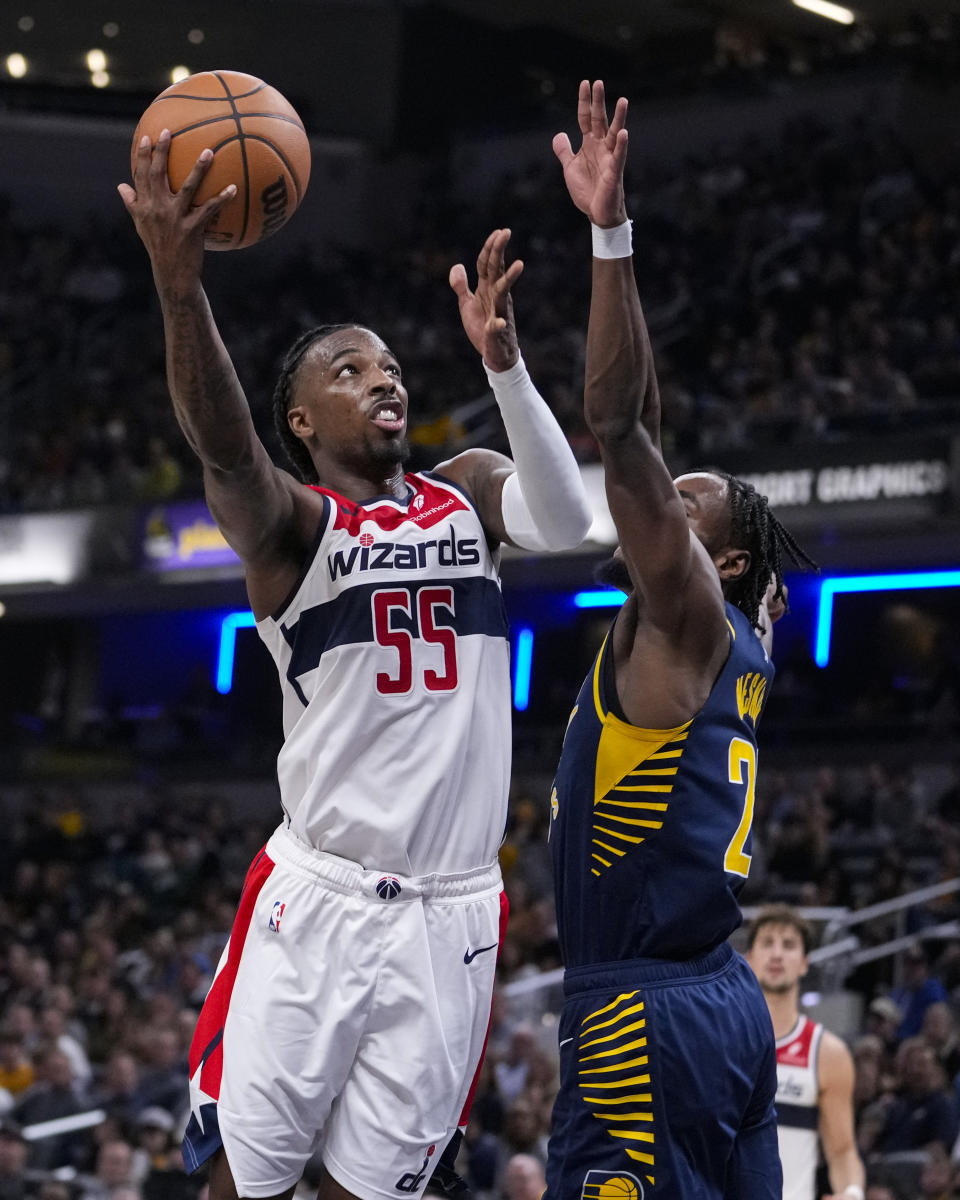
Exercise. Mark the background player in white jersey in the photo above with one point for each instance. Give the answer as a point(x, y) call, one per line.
point(350, 1006)
point(814, 1067)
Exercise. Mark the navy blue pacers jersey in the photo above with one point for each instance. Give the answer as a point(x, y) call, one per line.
point(651, 828)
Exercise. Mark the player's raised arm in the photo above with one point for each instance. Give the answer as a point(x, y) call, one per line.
point(621, 397)
point(249, 497)
point(537, 501)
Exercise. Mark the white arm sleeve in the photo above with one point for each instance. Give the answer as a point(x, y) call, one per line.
point(544, 503)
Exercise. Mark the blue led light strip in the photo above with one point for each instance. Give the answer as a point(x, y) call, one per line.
point(522, 669)
point(607, 598)
point(868, 583)
point(228, 647)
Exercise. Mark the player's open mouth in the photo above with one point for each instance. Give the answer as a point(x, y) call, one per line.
point(388, 417)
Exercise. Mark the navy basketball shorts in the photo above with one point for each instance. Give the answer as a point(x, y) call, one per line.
point(347, 1018)
point(667, 1082)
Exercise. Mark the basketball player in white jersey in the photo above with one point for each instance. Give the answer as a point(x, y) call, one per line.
point(349, 1009)
point(814, 1067)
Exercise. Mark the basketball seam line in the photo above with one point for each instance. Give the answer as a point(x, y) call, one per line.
point(257, 137)
point(243, 158)
point(230, 117)
point(213, 99)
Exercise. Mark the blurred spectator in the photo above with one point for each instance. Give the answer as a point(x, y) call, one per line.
point(54, 1094)
point(113, 1177)
point(920, 989)
point(938, 1177)
point(13, 1161)
point(53, 1028)
point(940, 1030)
point(524, 1178)
point(16, 1069)
point(154, 1142)
point(164, 1083)
point(919, 1114)
point(524, 1129)
point(884, 1018)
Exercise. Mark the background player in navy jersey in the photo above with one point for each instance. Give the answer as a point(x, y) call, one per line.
point(814, 1067)
point(350, 1006)
point(666, 1050)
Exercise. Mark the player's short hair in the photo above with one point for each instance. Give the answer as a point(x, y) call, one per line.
point(754, 527)
point(294, 448)
point(780, 914)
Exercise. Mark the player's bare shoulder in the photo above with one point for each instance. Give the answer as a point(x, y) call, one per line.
point(834, 1064)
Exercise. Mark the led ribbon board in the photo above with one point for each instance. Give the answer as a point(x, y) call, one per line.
point(868, 583)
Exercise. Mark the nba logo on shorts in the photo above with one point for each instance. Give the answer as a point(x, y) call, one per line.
point(275, 916)
point(388, 888)
point(611, 1185)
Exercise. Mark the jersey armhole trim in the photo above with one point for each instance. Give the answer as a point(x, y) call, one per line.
point(277, 615)
point(444, 481)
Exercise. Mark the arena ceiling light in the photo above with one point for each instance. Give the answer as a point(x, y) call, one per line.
point(823, 8)
point(16, 65)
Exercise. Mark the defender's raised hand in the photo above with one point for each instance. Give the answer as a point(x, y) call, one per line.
point(487, 313)
point(169, 225)
point(594, 175)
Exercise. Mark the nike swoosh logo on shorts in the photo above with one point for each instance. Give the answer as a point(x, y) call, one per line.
point(472, 954)
point(564, 1042)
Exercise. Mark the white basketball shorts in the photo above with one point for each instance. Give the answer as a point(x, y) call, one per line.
point(348, 1015)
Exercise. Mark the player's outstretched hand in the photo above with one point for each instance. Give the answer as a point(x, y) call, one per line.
point(594, 175)
point(487, 313)
point(169, 225)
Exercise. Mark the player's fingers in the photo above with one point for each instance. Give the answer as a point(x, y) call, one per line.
point(509, 277)
point(141, 162)
point(483, 258)
point(562, 149)
point(207, 211)
point(583, 107)
point(161, 156)
point(620, 149)
point(498, 252)
point(458, 281)
point(193, 180)
point(619, 117)
point(127, 195)
point(598, 110)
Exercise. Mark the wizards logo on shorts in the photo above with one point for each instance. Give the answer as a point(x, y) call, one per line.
point(275, 916)
point(611, 1185)
point(388, 888)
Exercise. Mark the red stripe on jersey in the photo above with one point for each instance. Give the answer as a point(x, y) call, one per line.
point(465, 1115)
point(213, 1015)
point(794, 1050)
point(428, 505)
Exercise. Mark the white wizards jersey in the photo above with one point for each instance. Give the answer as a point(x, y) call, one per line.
point(394, 663)
point(798, 1111)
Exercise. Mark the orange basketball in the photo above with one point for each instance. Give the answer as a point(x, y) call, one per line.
point(258, 143)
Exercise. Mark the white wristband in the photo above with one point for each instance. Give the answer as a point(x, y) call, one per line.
point(612, 243)
point(853, 1191)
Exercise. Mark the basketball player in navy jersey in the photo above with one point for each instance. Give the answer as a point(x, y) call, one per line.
point(350, 1007)
point(814, 1067)
point(667, 1059)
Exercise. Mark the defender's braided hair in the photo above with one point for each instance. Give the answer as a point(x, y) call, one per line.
point(754, 527)
point(295, 450)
